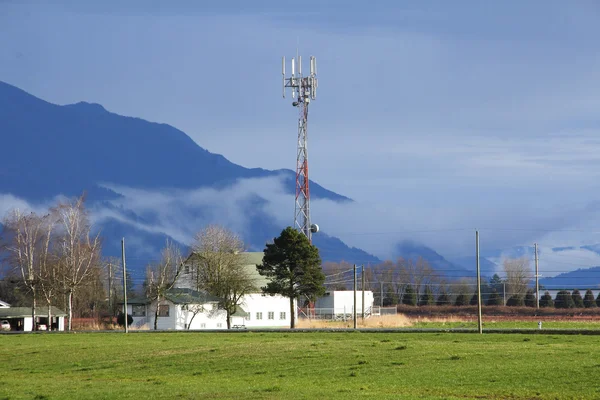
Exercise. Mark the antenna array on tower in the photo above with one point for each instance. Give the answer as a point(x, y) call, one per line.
point(304, 89)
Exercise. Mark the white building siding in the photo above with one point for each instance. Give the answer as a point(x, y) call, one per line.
point(262, 308)
point(342, 301)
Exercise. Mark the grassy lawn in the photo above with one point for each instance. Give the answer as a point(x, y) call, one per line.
point(298, 366)
point(509, 324)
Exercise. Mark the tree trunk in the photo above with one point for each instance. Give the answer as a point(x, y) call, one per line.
point(228, 319)
point(155, 316)
point(33, 324)
point(49, 326)
point(292, 314)
point(70, 307)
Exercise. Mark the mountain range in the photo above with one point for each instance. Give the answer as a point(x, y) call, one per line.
point(142, 181)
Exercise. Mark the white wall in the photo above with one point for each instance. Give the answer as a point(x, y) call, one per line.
point(257, 303)
point(27, 324)
point(343, 301)
point(209, 319)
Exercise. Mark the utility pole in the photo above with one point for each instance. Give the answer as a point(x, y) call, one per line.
point(537, 274)
point(124, 285)
point(504, 293)
point(354, 308)
point(110, 278)
point(479, 322)
point(381, 294)
point(362, 286)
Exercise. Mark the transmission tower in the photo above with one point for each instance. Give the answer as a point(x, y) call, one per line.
point(304, 89)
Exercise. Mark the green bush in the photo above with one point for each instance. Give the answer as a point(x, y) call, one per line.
point(546, 300)
point(427, 298)
point(410, 297)
point(515, 301)
point(530, 300)
point(473, 301)
point(121, 319)
point(461, 300)
point(495, 299)
point(588, 299)
point(577, 299)
point(564, 300)
point(443, 299)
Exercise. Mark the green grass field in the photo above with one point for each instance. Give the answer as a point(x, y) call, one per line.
point(594, 325)
point(299, 366)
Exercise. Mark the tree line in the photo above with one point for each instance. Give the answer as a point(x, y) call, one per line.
point(417, 283)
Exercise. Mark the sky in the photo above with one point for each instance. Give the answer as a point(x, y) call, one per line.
point(434, 116)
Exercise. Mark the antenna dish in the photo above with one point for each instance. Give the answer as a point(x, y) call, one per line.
point(314, 228)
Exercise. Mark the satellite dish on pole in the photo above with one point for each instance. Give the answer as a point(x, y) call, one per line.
point(314, 228)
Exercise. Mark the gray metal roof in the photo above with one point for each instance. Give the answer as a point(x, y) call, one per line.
point(22, 312)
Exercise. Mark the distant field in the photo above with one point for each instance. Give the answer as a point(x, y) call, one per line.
point(298, 366)
point(451, 322)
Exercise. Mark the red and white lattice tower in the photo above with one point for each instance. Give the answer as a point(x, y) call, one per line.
point(304, 89)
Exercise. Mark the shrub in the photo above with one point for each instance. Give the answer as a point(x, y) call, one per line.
point(410, 297)
point(473, 301)
point(546, 300)
point(495, 299)
point(461, 300)
point(530, 300)
point(564, 300)
point(588, 299)
point(426, 298)
point(443, 299)
point(121, 319)
point(577, 299)
point(515, 301)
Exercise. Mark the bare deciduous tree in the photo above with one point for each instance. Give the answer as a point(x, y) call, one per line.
point(22, 233)
point(221, 269)
point(518, 274)
point(47, 272)
point(76, 250)
point(162, 276)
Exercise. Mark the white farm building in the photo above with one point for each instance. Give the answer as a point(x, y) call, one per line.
point(186, 308)
point(339, 304)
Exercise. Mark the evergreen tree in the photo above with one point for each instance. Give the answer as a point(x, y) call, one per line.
point(427, 298)
point(410, 297)
point(496, 282)
point(577, 299)
point(461, 300)
point(292, 266)
point(564, 300)
point(494, 299)
point(443, 299)
point(473, 301)
point(598, 300)
point(546, 300)
point(515, 301)
point(530, 300)
point(588, 299)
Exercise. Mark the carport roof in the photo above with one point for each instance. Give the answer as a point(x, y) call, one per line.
point(23, 312)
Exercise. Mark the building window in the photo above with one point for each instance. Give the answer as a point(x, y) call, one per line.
point(282, 315)
point(215, 306)
point(138, 310)
point(203, 325)
point(271, 315)
point(258, 315)
point(219, 325)
point(247, 316)
point(163, 310)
